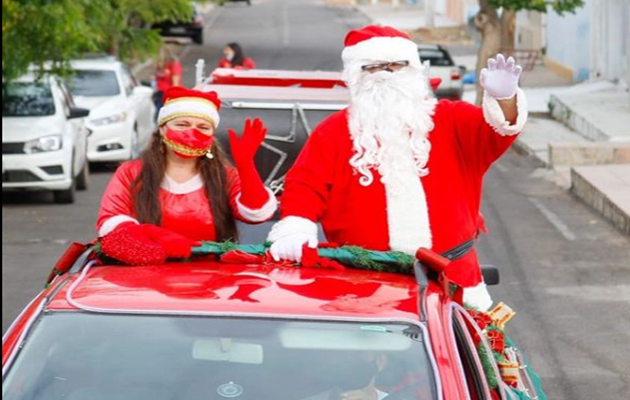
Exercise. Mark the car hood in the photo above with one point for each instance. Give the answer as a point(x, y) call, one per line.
point(23, 129)
point(100, 106)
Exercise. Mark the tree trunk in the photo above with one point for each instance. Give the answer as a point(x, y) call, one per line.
point(489, 25)
point(508, 31)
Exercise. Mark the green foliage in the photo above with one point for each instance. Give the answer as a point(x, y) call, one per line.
point(35, 32)
point(559, 6)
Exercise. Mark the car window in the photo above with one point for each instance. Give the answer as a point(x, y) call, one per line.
point(94, 83)
point(76, 356)
point(27, 99)
point(471, 362)
point(437, 58)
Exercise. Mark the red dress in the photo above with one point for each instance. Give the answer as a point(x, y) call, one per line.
point(323, 187)
point(248, 63)
point(185, 207)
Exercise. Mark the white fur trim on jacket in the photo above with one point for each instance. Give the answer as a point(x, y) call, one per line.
point(493, 114)
point(263, 214)
point(290, 226)
point(478, 297)
point(407, 214)
point(112, 223)
point(195, 183)
point(382, 49)
point(190, 108)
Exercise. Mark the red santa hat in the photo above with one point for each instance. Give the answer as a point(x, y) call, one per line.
point(379, 43)
point(182, 102)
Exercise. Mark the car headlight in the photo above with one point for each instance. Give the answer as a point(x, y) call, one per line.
point(112, 119)
point(44, 144)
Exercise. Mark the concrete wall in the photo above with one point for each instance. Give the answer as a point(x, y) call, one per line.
point(568, 42)
point(609, 40)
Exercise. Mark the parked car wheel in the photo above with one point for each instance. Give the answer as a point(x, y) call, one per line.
point(198, 37)
point(83, 180)
point(66, 196)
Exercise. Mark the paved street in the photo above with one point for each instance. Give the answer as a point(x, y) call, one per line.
point(565, 270)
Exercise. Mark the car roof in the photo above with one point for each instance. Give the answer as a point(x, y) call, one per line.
point(104, 63)
point(210, 287)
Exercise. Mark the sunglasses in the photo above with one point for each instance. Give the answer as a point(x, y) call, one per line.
point(385, 66)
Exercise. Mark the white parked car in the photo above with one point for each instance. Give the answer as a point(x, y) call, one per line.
point(44, 138)
point(442, 66)
point(122, 112)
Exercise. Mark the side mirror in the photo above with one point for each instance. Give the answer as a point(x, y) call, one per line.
point(148, 84)
point(490, 275)
point(142, 91)
point(76, 112)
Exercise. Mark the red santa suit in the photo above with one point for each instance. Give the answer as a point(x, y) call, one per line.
point(185, 206)
point(439, 210)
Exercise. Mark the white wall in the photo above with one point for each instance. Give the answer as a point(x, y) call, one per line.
point(568, 40)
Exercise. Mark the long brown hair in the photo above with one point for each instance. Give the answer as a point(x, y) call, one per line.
point(146, 187)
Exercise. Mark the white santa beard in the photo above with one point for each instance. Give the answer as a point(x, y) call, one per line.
point(389, 121)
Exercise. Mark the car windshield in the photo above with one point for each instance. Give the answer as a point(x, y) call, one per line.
point(437, 58)
point(27, 99)
point(77, 356)
point(94, 83)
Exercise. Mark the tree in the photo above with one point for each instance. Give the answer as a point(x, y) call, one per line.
point(498, 30)
point(50, 33)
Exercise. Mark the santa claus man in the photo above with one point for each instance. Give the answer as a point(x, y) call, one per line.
point(398, 170)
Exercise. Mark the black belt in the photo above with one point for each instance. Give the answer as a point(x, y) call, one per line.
point(459, 251)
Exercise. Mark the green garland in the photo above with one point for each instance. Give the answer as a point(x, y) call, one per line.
point(351, 256)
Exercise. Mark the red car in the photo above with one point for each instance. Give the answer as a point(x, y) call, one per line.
point(213, 330)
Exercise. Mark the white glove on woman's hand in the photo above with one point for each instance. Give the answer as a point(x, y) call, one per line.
point(289, 236)
point(501, 77)
point(290, 247)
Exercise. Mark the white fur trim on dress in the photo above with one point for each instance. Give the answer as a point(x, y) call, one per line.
point(289, 226)
point(263, 214)
point(113, 223)
point(478, 297)
point(195, 183)
point(493, 114)
point(382, 49)
point(189, 108)
point(407, 214)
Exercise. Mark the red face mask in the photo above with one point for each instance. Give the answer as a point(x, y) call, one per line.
point(190, 143)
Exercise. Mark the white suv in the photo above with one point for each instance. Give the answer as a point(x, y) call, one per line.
point(122, 116)
point(44, 139)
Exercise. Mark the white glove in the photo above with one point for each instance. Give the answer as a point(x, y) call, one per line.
point(501, 77)
point(289, 236)
point(290, 248)
point(478, 297)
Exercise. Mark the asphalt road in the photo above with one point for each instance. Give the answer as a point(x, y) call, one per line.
point(564, 269)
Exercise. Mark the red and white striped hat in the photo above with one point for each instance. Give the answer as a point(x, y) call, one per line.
point(379, 43)
point(182, 102)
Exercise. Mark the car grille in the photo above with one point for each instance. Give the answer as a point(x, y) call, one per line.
point(12, 148)
point(19, 176)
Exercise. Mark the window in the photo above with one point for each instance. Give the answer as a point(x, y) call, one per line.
point(27, 99)
point(469, 357)
point(436, 57)
point(77, 356)
point(94, 83)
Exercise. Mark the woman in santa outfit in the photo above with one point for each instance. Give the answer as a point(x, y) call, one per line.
point(183, 190)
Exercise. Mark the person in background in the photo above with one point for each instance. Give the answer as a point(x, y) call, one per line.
point(235, 58)
point(169, 74)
